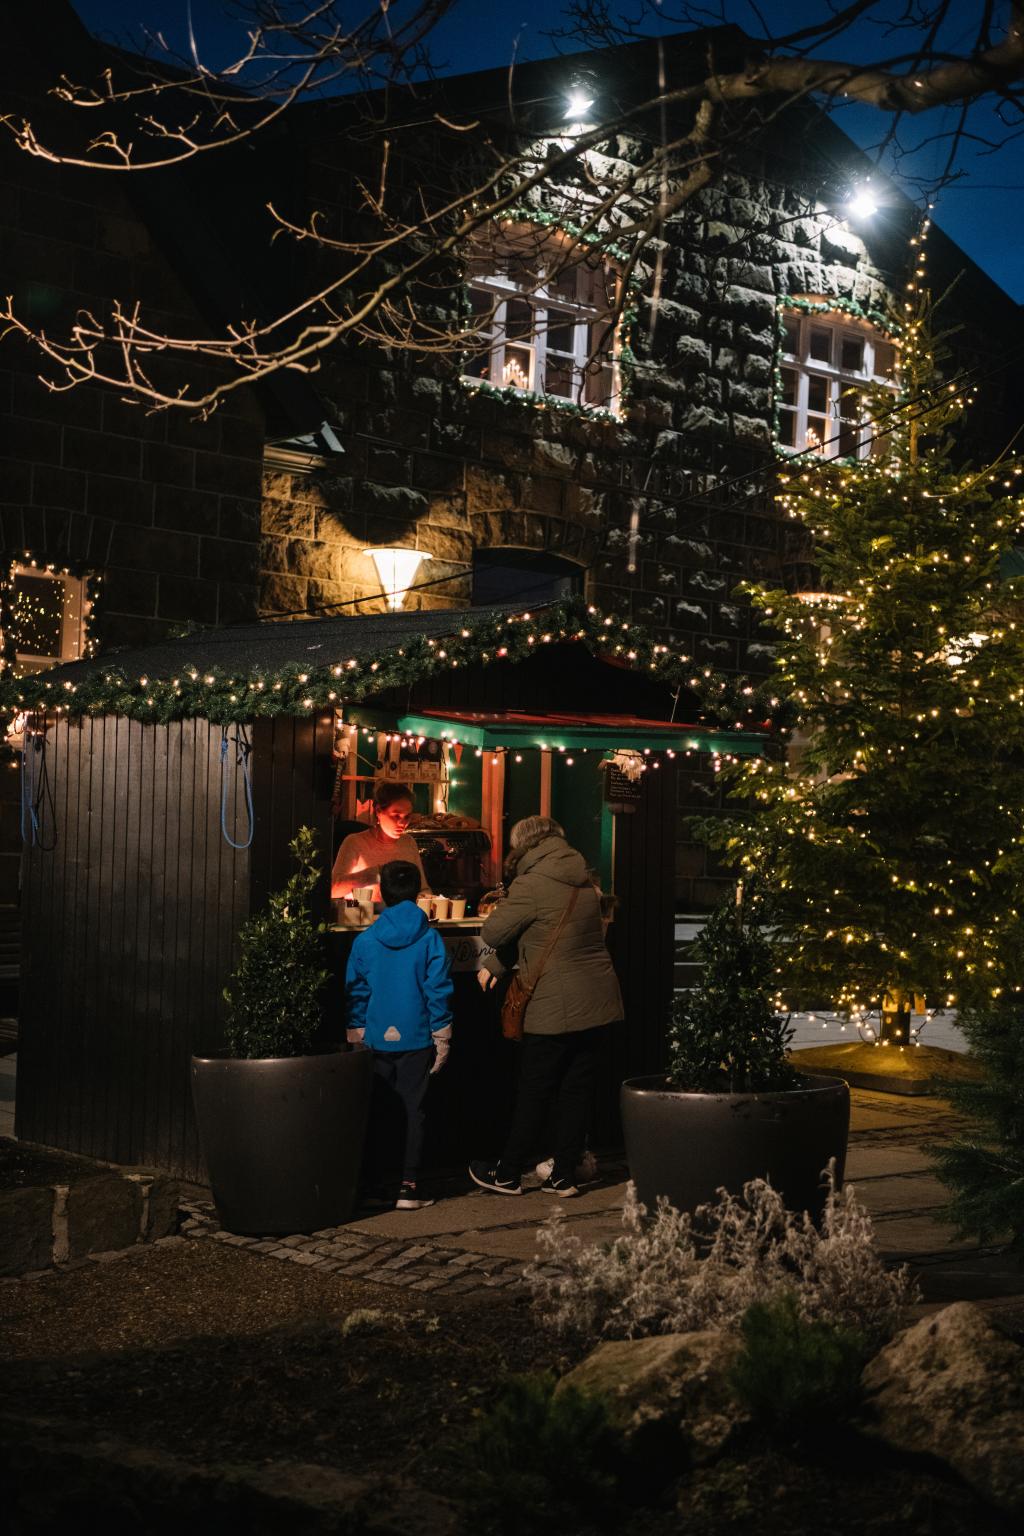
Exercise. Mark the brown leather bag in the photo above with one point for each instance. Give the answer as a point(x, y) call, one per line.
point(518, 995)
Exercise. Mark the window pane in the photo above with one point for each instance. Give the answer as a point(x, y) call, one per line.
point(817, 393)
point(849, 404)
point(519, 320)
point(816, 434)
point(885, 359)
point(518, 367)
point(558, 376)
point(852, 354)
point(849, 439)
point(791, 338)
point(477, 364)
point(598, 386)
point(821, 344)
point(561, 332)
point(37, 613)
point(787, 429)
point(789, 378)
point(569, 283)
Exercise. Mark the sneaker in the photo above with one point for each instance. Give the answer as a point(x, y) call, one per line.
point(375, 1200)
point(559, 1187)
point(586, 1168)
point(486, 1176)
point(409, 1200)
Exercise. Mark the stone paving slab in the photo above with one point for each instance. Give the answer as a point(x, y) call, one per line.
point(917, 1193)
point(869, 1160)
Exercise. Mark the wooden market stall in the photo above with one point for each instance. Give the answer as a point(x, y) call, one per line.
point(165, 785)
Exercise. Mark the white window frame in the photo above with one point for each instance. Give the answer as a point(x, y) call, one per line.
point(74, 612)
point(826, 424)
point(549, 309)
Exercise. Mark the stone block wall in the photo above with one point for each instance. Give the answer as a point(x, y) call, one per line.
point(165, 508)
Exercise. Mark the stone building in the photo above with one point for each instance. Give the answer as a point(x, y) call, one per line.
point(765, 308)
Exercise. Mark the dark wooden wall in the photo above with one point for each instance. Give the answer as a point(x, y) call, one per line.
point(642, 941)
point(132, 904)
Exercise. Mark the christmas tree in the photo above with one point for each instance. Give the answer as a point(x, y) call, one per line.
point(892, 831)
point(984, 1166)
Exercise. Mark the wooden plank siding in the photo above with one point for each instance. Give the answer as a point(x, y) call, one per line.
point(641, 941)
point(132, 903)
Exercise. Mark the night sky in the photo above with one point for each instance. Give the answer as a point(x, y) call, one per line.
point(979, 211)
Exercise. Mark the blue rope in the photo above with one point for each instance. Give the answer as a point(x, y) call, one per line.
point(29, 834)
point(241, 761)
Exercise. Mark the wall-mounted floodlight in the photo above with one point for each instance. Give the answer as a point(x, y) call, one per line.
point(861, 204)
point(396, 571)
point(577, 106)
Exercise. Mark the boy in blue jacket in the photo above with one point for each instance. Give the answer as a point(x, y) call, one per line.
point(399, 1006)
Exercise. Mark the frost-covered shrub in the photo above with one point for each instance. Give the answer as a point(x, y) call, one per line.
point(677, 1272)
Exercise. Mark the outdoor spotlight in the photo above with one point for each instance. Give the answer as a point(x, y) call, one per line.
point(396, 571)
point(861, 204)
point(578, 105)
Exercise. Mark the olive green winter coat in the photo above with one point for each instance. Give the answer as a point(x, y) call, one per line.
point(578, 988)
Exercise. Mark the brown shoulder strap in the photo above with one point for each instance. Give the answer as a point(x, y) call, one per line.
point(545, 957)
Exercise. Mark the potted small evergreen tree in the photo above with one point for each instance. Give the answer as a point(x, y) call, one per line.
point(731, 1107)
point(282, 1122)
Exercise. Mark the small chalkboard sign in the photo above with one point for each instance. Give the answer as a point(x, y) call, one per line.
point(620, 793)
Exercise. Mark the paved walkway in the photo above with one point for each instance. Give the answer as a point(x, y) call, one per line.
point(475, 1242)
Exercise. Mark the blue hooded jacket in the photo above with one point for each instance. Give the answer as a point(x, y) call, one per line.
point(397, 982)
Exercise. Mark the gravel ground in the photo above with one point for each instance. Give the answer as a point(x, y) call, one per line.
point(211, 1354)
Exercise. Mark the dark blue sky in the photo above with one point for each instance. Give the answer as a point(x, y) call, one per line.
point(979, 211)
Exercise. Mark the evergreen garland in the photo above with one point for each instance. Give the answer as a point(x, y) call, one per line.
point(274, 996)
point(232, 698)
point(984, 1166)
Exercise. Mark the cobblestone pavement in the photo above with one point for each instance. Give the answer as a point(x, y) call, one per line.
point(475, 1242)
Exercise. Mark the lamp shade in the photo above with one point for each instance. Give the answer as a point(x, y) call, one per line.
point(396, 571)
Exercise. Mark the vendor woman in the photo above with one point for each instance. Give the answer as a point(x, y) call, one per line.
point(362, 853)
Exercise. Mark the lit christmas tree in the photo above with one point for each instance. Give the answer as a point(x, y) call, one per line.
point(893, 834)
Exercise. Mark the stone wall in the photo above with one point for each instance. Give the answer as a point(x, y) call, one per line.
point(164, 507)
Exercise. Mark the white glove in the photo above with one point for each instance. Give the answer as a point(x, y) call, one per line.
point(442, 1047)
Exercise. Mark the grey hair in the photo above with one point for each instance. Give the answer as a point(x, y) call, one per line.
point(533, 830)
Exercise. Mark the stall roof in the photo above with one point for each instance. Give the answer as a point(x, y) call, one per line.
point(559, 731)
point(267, 669)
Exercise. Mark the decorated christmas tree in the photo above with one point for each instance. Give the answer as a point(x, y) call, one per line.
point(892, 830)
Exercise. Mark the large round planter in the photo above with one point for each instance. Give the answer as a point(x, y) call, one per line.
point(686, 1146)
point(283, 1138)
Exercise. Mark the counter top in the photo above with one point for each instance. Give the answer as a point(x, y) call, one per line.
point(445, 925)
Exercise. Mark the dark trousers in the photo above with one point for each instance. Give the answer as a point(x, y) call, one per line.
point(556, 1071)
point(395, 1139)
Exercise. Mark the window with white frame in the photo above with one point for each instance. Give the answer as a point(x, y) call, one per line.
point(46, 617)
point(544, 311)
point(830, 360)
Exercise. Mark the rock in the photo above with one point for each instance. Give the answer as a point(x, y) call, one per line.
point(103, 1215)
point(675, 1383)
point(953, 1387)
point(26, 1229)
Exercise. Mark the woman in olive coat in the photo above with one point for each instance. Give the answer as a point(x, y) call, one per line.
point(576, 996)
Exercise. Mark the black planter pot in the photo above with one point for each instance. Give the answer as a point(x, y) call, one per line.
point(686, 1146)
point(283, 1138)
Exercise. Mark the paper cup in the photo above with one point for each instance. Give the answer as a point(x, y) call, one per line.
point(442, 908)
point(426, 904)
point(458, 905)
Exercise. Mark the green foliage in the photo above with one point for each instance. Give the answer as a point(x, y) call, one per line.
point(539, 1462)
point(297, 688)
point(793, 1374)
point(725, 1033)
point(985, 1166)
point(892, 830)
point(274, 996)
